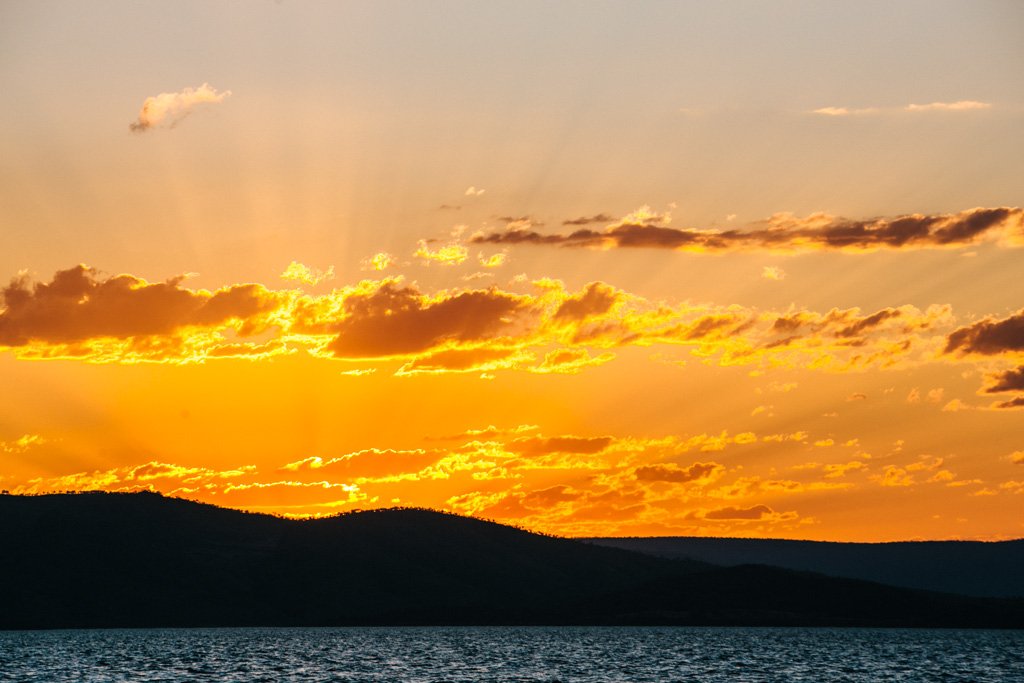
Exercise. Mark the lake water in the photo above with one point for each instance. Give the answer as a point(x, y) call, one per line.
point(736, 655)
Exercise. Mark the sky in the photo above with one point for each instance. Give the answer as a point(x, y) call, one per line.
point(743, 269)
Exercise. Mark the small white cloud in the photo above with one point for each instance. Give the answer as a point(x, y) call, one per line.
point(169, 108)
point(962, 105)
point(844, 111)
point(474, 192)
point(773, 273)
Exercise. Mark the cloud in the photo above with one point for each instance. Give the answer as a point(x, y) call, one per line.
point(773, 273)
point(449, 255)
point(392, 320)
point(22, 443)
point(474, 192)
point(482, 359)
point(962, 105)
point(596, 299)
point(837, 470)
point(756, 512)
point(989, 336)
point(167, 477)
point(844, 111)
point(700, 472)
point(379, 262)
point(367, 464)
point(490, 431)
point(168, 109)
point(1011, 380)
point(587, 220)
point(302, 273)
point(83, 315)
point(79, 305)
point(894, 476)
point(1017, 457)
point(570, 361)
point(536, 445)
point(1017, 402)
point(492, 261)
point(786, 233)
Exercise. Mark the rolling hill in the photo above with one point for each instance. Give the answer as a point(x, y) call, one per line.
point(144, 560)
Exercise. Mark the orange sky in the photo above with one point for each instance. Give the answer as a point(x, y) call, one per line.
point(320, 261)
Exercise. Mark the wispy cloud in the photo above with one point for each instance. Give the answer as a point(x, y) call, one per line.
point(843, 111)
point(958, 106)
point(962, 105)
point(785, 232)
point(168, 108)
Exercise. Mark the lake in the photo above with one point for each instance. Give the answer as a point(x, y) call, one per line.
point(457, 654)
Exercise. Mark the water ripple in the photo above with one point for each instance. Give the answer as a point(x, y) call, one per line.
point(513, 654)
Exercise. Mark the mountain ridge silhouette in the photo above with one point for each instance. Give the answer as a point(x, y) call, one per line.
point(144, 560)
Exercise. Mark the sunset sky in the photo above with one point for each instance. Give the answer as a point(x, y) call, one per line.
point(591, 268)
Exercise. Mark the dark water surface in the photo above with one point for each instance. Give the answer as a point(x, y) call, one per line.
point(438, 654)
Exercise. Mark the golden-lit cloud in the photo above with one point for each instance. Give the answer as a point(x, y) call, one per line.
point(1016, 402)
point(492, 261)
point(299, 272)
point(837, 470)
point(754, 513)
point(448, 255)
point(1010, 380)
point(773, 273)
point(379, 262)
point(535, 445)
point(368, 464)
point(480, 359)
point(787, 233)
point(552, 330)
point(569, 361)
point(152, 475)
point(698, 472)
point(83, 314)
point(564, 483)
point(989, 336)
point(169, 108)
point(393, 320)
point(997, 338)
point(21, 444)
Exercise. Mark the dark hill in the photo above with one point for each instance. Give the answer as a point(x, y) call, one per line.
point(94, 560)
point(966, 567)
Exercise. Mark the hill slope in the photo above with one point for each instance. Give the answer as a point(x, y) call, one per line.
point(95, 560)
point(965, 567)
